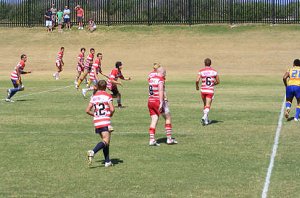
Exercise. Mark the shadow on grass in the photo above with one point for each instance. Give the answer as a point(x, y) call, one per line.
point(290, 119)
point(122, 107)
point(216, 121)
point(23, 100)
point(115, 161)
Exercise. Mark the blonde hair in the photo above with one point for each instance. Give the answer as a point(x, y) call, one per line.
point(156, 65)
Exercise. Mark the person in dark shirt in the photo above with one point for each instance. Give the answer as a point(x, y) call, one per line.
point(48, 17)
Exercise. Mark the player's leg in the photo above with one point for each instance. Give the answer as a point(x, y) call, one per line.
point(154, 114)
point(82, 77)
point(117, 95)
point(289, 95)
point(168, 124)
point(98, 146)
point(106, 138)
point(297, 95)
point(77, 76)
point(208, 102)
point(90, 88)
point(11, 92)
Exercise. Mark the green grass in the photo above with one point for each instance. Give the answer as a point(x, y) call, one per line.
point(44, 139)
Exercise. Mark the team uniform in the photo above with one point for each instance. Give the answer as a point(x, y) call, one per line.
point(15, 77)
point(80, 67)
point(208, 77)
point(114, 75)
point(59, 58)
point(293, 89)
point(89, 62)
point(96, 68)
point(102, 115)
point(100, 100)
point(153, 100)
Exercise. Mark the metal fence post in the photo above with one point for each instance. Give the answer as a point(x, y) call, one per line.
point(273, 12)
point(69, 4)
point(231, 12)
point(149, 23)
point(28, 13)
point(108, 12)
point(190, 11)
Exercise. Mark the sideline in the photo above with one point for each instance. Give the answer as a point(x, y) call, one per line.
point(274, 151)
point(46, 91)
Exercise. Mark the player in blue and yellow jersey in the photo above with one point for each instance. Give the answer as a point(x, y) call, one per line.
point(291, 80)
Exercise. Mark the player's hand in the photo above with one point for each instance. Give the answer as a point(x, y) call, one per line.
point(120, 84)
point(160, 107)
point(129, 78)
point(29, 72)
point(197, 88)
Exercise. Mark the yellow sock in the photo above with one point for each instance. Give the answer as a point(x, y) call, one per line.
point(79, 82)
point(89, 82)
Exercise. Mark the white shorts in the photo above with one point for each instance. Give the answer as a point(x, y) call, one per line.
point(48, 23)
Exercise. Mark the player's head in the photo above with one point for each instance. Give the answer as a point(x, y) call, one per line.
point(23, 57)
point(92, 51)
point(101, 85)
point(82, 50)
point(296, 62)
point(156, 66)
point(207, 62)
point(62, 49)
point(99, 55)
point(162, 71)
point(119, 65)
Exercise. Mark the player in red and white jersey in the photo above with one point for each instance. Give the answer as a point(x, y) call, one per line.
point(16, 79)
point(209, 78)
point(158, 104)
point(112, 82)
point(102, 105)
point(59, 63)
point(80, 64)
point(94, 78)
point(87, 67)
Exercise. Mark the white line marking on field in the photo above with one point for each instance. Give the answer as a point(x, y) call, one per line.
point(274, 151)
point(46, 91)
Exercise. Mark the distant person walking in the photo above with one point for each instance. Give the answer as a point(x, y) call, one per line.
point(48, 17)
point(67, 21)
point(80, 16)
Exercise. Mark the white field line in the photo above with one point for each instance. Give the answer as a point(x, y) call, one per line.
point(87, 132)
point(46, 91)
point(274, 151)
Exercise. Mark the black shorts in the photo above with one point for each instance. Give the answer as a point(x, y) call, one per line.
point(100, 130)
point(115, 91)
point(66, 20)
point(79, 19)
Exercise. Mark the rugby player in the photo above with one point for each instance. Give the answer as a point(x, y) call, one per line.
point(102, 104)
point(59, 63)
point(80, 64)
point(291, 80)
point(16, 78)
point(87, 67)
point(112, 82)
point(158, 104)
point(209, 78)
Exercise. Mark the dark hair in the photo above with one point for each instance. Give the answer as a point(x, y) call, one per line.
point(297, 62)
point(207, 62)
point(118, 64)
point(99, 54)
point(101, 85)
point(92, 49)
point(23, 55)
point(62, 48)
point(82, 49)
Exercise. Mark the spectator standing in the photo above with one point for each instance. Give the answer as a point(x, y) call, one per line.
point(48, 17)
point(67, 13)
point(80, 16)
point(54, 11)
point(59, 16)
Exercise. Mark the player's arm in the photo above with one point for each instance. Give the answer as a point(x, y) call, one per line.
point(115, 82)
point(161, 95)
point(111, 108)
point(88, 110)
point(217, 80)
point(123, 78)
point(25, 72)
point(197, 81)
point(285, 78)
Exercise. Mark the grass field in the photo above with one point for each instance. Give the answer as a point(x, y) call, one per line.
point(45, 134)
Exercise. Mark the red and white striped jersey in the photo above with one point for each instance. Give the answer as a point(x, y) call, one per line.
point(80, 59)
point(89, 60)
point(152, 74)
point(60, 56)
point(100, 101)
point(154, 83)
point(208, 76)
point(114, 75)
point(95, 69)
point(20, 67)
